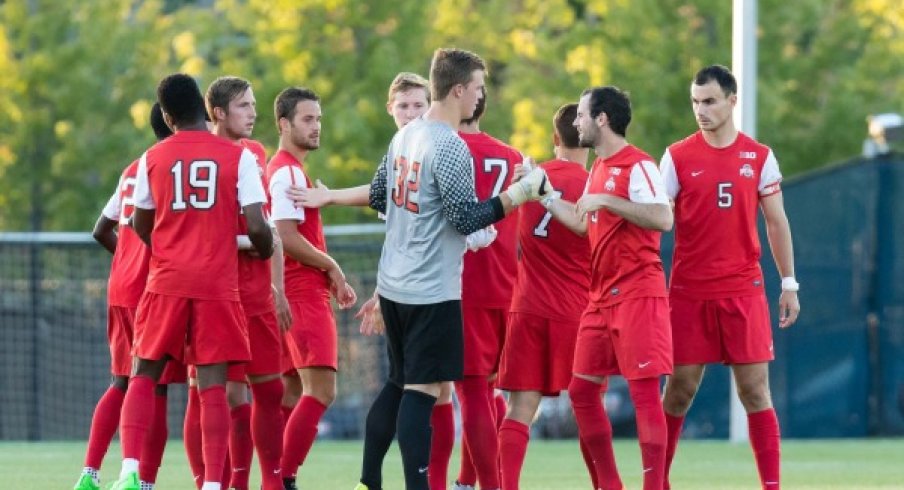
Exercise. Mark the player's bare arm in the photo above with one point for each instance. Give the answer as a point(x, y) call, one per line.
point(653, 216)
point(321, 195)
point(105, 233)
point(300, 249)
point(566, 213)
point(143, 224)
point(277, 278)
point(778, 231)
point(258, 230)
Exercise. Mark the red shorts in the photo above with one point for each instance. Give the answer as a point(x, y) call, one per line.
point(312, 340)
point(235, 372)
point(286, 364)
point(120, 323)
point(266, 344)
point(194, 331)
point(538, 354)
point(484, 334)
point(632, 338)
point(731, 330)
point(174, 373)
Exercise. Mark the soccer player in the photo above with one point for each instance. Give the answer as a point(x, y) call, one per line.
point(188, 194)
point(311, 276)
point(232, 108)
point(128, 275)
point(549, 296)
point(717, 178)
point(625, 327)
point(488, 278)
point(425, 187)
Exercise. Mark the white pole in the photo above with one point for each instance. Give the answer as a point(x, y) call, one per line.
point(743, 61)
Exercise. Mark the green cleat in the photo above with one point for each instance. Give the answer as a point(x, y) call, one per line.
point(86, 482)
point(361, 486)
point(127, 482)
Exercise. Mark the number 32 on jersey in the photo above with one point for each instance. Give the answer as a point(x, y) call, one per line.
point(407, 175)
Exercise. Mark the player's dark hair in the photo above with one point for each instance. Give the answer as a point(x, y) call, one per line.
point(221, 92)
point(479, 110)
point(564, 124)
point(615, 103)
point(161, 130)
point(451, 67)
point(287, 100)
point(180, 97)
point(721, 74)
point(406, 81)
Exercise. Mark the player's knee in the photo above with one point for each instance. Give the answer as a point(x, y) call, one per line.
point(235, 394)
point(121, 383)
point(325, 394)
point(679, 394)
point(582, 391)
point(755, 397)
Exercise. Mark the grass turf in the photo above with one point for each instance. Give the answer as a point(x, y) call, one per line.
point(702, 465)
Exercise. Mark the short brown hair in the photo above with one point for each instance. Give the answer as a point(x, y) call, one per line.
point(451, 67)
point(564, 124)
point(406, 81)
point(287, 100)
point(221, 92)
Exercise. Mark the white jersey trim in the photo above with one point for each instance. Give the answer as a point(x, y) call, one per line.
point(112, 209)
point(669, 175)
point(645, 186)
point(250, 186)
point(281, 207)
point(143, 197)
point(770, 176)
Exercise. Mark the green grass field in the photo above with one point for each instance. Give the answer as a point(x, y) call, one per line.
point(823, 465)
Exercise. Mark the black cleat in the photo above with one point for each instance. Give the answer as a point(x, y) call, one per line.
point(289, 484)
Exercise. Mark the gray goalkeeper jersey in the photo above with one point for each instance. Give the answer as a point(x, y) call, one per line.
point(425, 186)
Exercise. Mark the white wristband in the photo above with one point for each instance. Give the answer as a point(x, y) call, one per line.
point(547, 201)
point(790, 284)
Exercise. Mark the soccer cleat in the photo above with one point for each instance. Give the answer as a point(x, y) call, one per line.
point(289, 484)
point(361, 486)
point(459, 486)
point(86, 482)
point(129, 481)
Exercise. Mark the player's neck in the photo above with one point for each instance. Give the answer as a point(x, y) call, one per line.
point(200, 126)
point(721, 137)
point(469, 128)
point(444, 112)
point(298, 153)
point(223, 133)
point(576, 155)
point(610, 145)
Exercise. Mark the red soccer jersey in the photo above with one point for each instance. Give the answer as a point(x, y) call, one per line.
point(554, 263)
point(282, 171)
point(624, 257)
point(254, 274)
point(129, 268)
point(716, 193)
point(488, 275)
point(196, 182)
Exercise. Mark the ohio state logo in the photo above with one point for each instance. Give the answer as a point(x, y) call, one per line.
point(747, 171)
point(610, 184)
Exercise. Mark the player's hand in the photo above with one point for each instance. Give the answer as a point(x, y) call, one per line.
point(283, 311)
point(371, 317)
point(522, 169)
point(788, 309)
point(589, 203)
point(532, 187)
point(481, 238)
point(340, 288)
point(310, 197)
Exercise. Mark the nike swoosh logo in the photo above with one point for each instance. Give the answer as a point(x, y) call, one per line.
point(644, 364)
point(422, 470)
point(694, 174)
point(645, 470)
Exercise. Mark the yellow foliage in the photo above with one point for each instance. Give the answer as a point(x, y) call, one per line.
point(524, 43)
point(296, 68)
point(194, 66)
point(184, 45)
point(139, 111)
point(7, 157)
point(531, 135)
point(62, 128)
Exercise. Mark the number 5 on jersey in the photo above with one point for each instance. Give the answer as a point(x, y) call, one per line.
point(407, 176)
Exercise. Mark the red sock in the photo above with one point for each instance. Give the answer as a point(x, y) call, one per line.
point(478, 419)
point(651, 430)
point(673, 426)
point(226, 479)
point(154, 443)
point(286, 413)
point(588, 461)
point(766, 441)
point(501, 407)
point(442, 422)
point(191, 435)
point(241, 449)
point(595, 430)
point(513, 438)
point(103, 426)
point(137, 413)
point(467, 474)
point(214, 431)
point(267, 431)
point(301, 430)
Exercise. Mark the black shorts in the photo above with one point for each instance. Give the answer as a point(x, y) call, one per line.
point(425, 342)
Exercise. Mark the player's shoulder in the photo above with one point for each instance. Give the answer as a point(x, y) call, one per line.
point(131, 169)
point(256, 147)
point(489, 144)
point(564, 168)
point(692, 142)
point(750, 145)
point(281, 159)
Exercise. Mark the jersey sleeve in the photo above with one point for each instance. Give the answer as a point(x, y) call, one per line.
point(251, 187)
point(455, 179)
point(281, 206)
point(113, 208)
point(143, 197)
point(646, 186)
point(669, 175)
point(770, 177)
